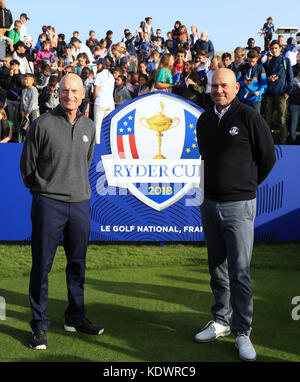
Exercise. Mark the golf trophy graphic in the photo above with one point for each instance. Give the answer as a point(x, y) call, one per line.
point(160, 123)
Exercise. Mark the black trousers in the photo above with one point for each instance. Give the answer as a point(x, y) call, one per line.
point(50, 220)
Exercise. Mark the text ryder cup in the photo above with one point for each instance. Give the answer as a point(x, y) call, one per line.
point(176, 171)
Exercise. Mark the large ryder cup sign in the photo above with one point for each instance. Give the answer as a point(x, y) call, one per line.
point(145, 176)
point(154, 151)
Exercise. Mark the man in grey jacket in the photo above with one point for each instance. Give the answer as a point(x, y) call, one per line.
point(55, 161)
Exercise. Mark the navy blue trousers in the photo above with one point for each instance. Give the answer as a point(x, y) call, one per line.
point(50, 220)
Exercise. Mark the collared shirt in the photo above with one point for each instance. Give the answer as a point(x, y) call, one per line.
point(223, 111)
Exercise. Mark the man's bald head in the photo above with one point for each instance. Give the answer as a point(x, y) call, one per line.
point(71, 92)
point(71, 78)
point(224, 87)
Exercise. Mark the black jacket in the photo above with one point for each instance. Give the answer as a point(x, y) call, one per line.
point(6, 18)
point(4, 129)
point(238, 152)
point(14, 86)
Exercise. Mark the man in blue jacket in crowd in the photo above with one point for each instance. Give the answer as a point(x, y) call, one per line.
point(280, 84)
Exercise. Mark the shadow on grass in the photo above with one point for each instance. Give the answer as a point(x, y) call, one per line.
point(142, 321)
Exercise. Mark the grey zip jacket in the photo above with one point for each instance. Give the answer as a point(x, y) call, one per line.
point(56, 156)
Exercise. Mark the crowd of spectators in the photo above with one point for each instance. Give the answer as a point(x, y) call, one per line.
point(180, 62)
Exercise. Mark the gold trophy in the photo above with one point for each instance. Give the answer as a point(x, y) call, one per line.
point(160, 123)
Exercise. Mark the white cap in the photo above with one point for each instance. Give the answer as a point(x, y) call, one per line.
point(27, 38)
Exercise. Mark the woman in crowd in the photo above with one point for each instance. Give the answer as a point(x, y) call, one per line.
point(164, 78)
point(6, 127)
point(191, 87)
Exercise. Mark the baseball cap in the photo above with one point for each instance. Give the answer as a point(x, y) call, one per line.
point(27, 38)
point(24, 15)
point(75, 39)
point(101, 61)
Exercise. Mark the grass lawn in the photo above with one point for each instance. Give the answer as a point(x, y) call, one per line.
point(151, 301)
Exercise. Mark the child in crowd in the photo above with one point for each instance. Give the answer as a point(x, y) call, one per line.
point(170, 43)
point(6, 127)
point(239, 57)
point(81, 62)
point(41, 39)
point(49, 98)
point(183, 35)
point(29, 99)
point(92, 41)
point(44, 53)
point(146, 48)
point(121, 93)
point(156, 44)
point(69, 69)
point(202, 64)
point(13, 84)
point(87, 76)
point(179, 62)
point(226, 60)
point(124, 69)
point(61, 45)
point(129, 85)
point(143, 68)
point(161, 40)
point(154, 60)
point(143, 87)
point(43, 77)
point(253, 81)
point(100, 50)
point(130, 43)
point(116, 73)
point(68, 56)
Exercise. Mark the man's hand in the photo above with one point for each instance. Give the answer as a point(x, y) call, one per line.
point(273, 78)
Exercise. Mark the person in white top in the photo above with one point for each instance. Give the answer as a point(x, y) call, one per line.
point(23, 31)
point(103, 95)
point(79, 47)
point(148, 27)
point(215, 64)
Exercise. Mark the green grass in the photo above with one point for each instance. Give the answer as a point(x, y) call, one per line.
point(151, 301)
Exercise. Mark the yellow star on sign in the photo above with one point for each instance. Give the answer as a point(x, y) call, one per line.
point(188, 150)
point(191, 125)
point(194, 145)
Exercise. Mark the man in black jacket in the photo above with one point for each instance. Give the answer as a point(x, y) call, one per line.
point(6, 18)
point(237, 148)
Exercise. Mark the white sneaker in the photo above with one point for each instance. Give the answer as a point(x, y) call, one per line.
point(212, 331)
point(246, 349)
